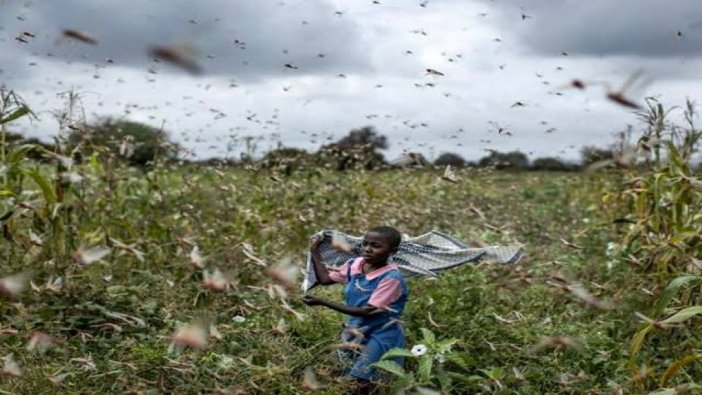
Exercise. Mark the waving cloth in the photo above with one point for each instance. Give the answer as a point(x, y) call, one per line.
point(425, 255)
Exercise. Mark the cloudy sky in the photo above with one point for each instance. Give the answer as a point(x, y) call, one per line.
point(303, 72)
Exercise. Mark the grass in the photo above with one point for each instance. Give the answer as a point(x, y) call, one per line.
point(499, 314)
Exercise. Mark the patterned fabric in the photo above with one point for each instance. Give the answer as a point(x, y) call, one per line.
point(426, 255)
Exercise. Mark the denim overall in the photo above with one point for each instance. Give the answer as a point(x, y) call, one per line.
point(381, 332)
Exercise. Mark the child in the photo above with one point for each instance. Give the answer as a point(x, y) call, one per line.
point(375, 295)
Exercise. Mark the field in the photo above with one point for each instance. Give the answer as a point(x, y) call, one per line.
point(518, 329)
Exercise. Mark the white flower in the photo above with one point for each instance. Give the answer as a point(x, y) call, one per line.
point(239, 319)
point(440, 358)
point(610, 248)
point(418, 350)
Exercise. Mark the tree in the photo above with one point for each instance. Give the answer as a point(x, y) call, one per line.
point(509, 160)
point(552, 164)
point(286, 159)
point(139, 144)
point(450, 158)
point(365, 136)
point(356, 150)
point(590, 155)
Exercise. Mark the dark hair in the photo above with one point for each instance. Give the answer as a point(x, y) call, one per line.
point(392, 234)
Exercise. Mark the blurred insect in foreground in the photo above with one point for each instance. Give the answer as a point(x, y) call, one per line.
point(177, 55)
point(618, 96)
point(79, 35)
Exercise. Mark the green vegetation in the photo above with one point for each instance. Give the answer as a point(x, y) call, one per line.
point(606, 299)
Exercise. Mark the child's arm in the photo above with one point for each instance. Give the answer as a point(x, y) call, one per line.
point(319, 269)
point(365, 311)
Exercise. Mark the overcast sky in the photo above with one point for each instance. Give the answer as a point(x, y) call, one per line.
point(506, 65)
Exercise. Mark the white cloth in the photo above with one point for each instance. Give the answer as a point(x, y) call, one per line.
point(425, 255)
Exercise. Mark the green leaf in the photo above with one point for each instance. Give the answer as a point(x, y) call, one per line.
point(20, 153)
point(424, 368)
point(389, 366)
point(429, 337)
point(671, 290)
point(6, 215)
point(44, 185)
point(683, 315)
point(636, 343)
point(675, 366)
point(665, 391)
point(18, 113)
point(445, 345)
point(397, 352)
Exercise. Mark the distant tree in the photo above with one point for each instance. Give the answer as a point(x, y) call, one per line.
point(137, 143)
point(552, 164)
point(356, 150)
point(365, 136)
point(411, 159)
point(590, 155)
point(450, 158)
point(286, 159)
point(509, 160)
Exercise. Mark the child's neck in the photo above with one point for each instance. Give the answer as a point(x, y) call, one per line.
point(373, 266)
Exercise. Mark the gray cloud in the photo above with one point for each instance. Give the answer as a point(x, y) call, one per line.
point(305, 34)
point(368, 43)
point(646, 28)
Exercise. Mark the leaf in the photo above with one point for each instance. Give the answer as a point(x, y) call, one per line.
point(675, 366)
point(44, 185)
point(424, 368)
point(18, 113)
point(19, 153)
point(429, 337)
point(397, 352)
point(666, 391)
point(636, 343)
point(389, 366)
point(445, 345)
point(6, 215)
point(683, 315)
point(671, 290)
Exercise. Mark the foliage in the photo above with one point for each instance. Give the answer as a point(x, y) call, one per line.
point(528, 328)
point(357, 150)
point(590, 155)
point(510, 160)
point(286, 160)
point(552, 164)
point(429, 359)
point(138, 144)
point(450, 158)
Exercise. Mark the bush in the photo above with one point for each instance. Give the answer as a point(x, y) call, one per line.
point(552, 164)
point(510, 160)
point(450, 158)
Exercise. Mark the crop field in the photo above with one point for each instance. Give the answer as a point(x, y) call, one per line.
point(132, 248)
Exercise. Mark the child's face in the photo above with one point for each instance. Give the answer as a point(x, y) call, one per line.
point(375, 248)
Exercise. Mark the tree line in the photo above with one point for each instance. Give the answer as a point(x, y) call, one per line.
point(141, 145)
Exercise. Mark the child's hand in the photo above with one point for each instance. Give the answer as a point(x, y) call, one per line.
point(311, 300)
point(315, 241)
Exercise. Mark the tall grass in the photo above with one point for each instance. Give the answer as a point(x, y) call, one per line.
point(491, 329)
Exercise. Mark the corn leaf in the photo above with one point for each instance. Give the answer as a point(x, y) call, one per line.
point(18, 113)
point(675, 366)
point(44, 185)
point(636, 343)
point(683, 315)
point(671, 290)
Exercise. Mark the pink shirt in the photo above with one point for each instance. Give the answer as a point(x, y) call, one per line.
point(387, 291)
